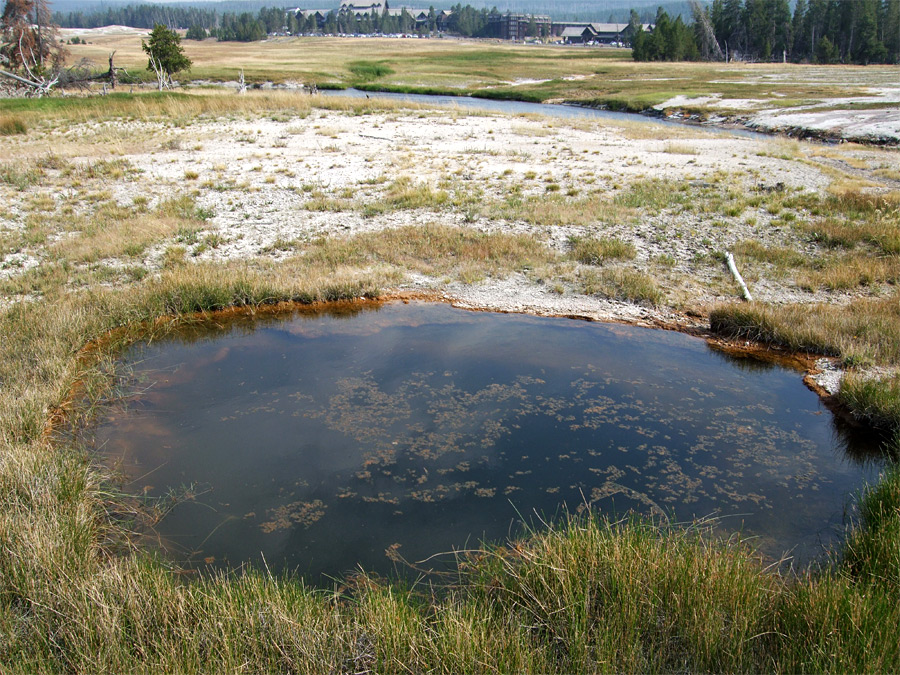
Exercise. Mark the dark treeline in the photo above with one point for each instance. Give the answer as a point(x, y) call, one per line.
point(561, 10)
point(247, 27)
point(463, 20)
point(817, 31)
point(139, 16)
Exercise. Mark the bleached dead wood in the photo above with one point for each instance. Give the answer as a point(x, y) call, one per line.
point(38, 86)
point(163, 79)
point(737, 276)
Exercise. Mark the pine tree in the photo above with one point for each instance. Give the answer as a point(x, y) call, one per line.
point(164, 48)
point(891, 30)
point(639, 51)
point(800, 47)
point(779, 16)
point(196, 32)
point(867, 47)
point(826, 51)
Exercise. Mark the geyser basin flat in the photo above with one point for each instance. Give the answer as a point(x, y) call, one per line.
point(332, 441)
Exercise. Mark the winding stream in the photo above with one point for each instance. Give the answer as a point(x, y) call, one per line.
point(525, 108)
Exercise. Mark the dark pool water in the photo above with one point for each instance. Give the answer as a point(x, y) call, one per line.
point(348, 439)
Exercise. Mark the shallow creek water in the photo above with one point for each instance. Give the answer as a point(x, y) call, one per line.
point(329, 441)
point(509, 107)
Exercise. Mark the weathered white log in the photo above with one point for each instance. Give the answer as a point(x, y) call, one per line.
point(737, 276)
point(38, 87)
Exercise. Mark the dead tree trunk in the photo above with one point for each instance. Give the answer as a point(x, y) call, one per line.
point(113, 79)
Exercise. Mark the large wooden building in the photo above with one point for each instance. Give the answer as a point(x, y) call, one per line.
point(364, 9)
point(594, 33)
point(519, 26)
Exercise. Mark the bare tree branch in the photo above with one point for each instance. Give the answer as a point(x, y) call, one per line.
point(163, 80)
point(37, 87)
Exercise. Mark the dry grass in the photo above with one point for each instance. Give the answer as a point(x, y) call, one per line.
point(443, 63)
point(782, 257)
point(853, 217)
point(680, 149)
point(639, 131)
point(432, 249)
point(591, 251)
point(621, 284)
point(851, 271)
point(403, 194)
point(11, 125)
point(114, 231)
point(553, 209)
point(863, 331)
point(180, 110)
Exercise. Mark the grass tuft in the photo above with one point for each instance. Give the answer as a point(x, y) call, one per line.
point(864, 331)
point(872, 551)
point(873, 400)
point(590, 251)
point(12, 125)
point(621, 284)
point(366, 71)
point(19, 176)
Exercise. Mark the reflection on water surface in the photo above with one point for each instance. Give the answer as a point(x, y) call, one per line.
point(328, 442)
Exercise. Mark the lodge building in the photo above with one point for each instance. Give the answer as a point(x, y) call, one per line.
point(506, 26)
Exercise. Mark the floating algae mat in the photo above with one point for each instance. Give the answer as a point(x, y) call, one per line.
point(328, 442)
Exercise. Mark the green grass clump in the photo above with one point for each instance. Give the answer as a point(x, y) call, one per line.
point(829, 623)
point(633, 597)
point(874, 400)
point(369, 70)
point(654, 195)
point(842, 619)
point(591, 251)
point(404, 194)
point(872, 551)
